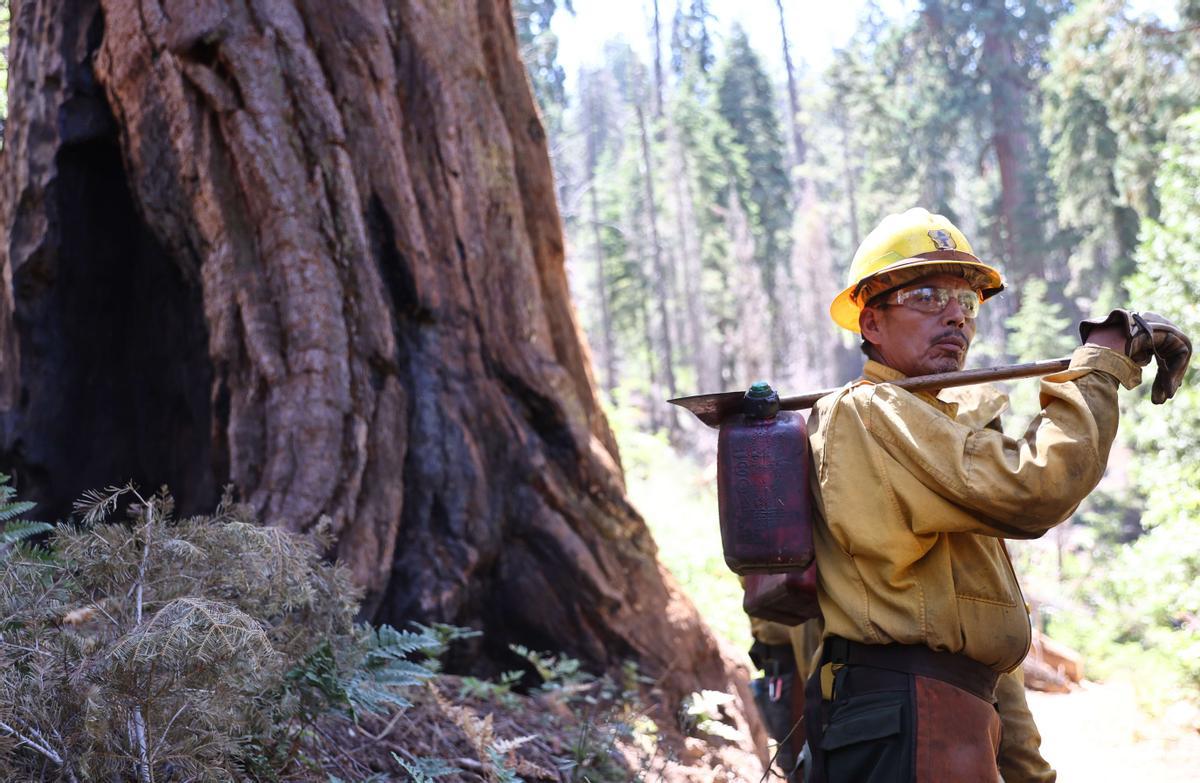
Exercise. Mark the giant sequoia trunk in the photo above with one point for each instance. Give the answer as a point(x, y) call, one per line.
point(311, 248)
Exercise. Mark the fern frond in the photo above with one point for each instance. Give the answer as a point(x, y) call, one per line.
point(11, 510)
point(388, 642)
point(7, 491)
point(400, 673)
point(386, 669)
point(425, 769)
point(507, 746)
point(21, 529)
point(15, 530)
point(501, 772)
point(365, 695)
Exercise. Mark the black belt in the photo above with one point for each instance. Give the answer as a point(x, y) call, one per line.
point(953, 668)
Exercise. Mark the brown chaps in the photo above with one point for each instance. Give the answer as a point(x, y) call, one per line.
point(886, 726)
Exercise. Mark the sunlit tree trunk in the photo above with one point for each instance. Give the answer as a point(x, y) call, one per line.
point(659, 87)
point(593, 120)
point(799, 148)
point(1008, 91)
point(687, 253)
point(660, 269)
point(753, 338)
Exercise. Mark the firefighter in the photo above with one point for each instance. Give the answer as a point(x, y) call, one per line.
point(785, 654)
point(923, 617)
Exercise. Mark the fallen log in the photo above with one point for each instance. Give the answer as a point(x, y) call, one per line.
point(1051, 666)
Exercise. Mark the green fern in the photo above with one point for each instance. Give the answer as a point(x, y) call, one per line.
point(21, 529)
point(15, 530)
point(387, 666)
point(559, 673)
point(501, 771)
point(424, 769)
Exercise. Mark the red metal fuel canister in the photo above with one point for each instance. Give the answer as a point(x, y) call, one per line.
point(762, 487)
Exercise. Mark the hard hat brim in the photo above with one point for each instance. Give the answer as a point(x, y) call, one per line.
point(845, 308)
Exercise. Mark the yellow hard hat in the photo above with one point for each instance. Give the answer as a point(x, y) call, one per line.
point(904, 247)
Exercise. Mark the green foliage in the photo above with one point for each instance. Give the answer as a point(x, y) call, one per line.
point(539, 50)
point(15, 530)
point(1111, 92)
point(1132, 596)
point(606, 710)
point(1153, 589)
point(501, 691)
point(1038, 330)
point(746, 101)
point(556, 672)
point(425, 770)
point(501, 771)
point(385, 669)
point(691, 40)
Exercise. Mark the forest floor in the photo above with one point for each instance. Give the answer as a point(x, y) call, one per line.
point(460, 730)
point(1099, 732)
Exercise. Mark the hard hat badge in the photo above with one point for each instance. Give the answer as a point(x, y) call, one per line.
point(942, 239)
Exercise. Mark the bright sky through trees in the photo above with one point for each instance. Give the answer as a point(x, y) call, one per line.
point(815, 28)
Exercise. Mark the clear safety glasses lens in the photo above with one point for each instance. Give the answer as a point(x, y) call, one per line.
point(933, 299)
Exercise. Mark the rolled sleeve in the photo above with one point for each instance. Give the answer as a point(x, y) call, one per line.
point(1015, 487)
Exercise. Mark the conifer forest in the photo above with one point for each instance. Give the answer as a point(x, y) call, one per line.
point(336, 338)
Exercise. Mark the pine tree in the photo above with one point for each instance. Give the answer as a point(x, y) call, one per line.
point(747, 102)
point(714, 163)
point(989, 55)
point(1138, 602)
point(1110, 94)
point(691, 41)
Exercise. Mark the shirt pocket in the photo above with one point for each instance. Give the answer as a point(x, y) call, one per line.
point(980, 571)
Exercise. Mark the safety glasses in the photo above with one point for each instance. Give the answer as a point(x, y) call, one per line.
point(933, 299)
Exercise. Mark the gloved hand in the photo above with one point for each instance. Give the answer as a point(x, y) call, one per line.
point(1149, 335)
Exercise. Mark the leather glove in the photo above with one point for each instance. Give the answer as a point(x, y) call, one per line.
point(1149, 335)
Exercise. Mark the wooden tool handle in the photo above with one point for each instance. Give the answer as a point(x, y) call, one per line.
point(713, 408)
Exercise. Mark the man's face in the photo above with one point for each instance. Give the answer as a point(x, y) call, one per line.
point(920, 343)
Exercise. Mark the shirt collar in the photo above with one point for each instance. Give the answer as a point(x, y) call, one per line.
point(880, 373)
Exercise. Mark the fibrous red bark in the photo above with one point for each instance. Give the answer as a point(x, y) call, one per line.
point(312, 249)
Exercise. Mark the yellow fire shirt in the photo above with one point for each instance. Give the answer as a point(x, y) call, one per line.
point(914, 504)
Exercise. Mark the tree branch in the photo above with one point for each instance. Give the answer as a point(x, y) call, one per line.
point(42, 747)
point(1157, 30)
point(137, 723)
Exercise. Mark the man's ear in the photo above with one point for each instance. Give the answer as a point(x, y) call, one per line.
point(870, 326)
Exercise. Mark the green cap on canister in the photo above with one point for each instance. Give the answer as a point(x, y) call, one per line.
point(760, 402)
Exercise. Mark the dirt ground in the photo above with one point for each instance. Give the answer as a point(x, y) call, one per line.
point(1098, 733)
